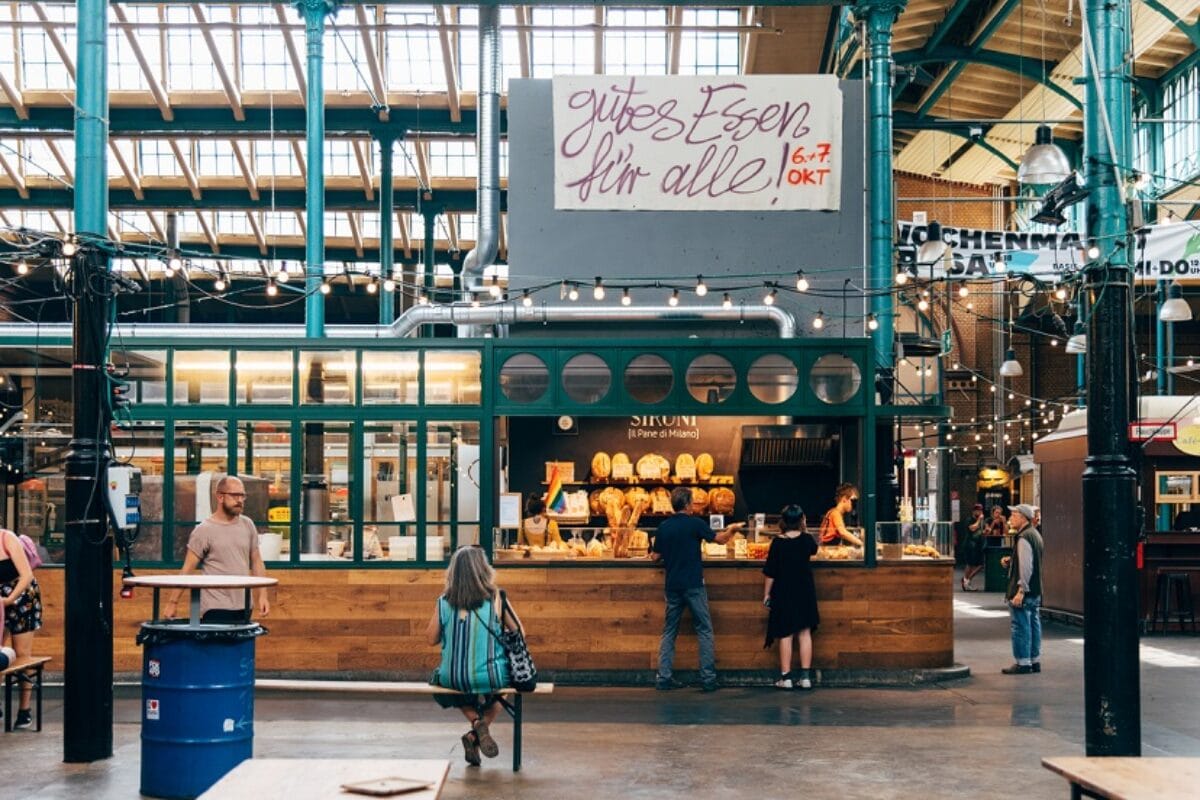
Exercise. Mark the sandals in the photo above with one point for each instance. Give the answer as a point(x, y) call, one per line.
point(487, 745)
point(471, 749)
point(966, 584)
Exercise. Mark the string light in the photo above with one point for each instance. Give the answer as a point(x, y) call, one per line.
point(22, 267)
point(673, 300)
point(1060, 293)
point(474, 302)
point(325, 288)
point(801, 282)
point(770, 297)
point(494, 288)
point(923, 304)
point(598, 289)
point(726, 301)
point(1093, 251)
point(284, 276)
point(625, 298)
point(701, 286)
point(963, 291)
point(901, 278)
point(272, 289)
point(219, 284)
point(573, 293)
point(872, 322)
point(819, 320)
point(422, 299)
point(526, 299)
point(372, 287)
point(69, 247)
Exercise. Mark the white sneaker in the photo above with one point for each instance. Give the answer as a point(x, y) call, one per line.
point(804, 683)
point(783, 683)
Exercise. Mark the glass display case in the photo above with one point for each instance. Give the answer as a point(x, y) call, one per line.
point(928, 541)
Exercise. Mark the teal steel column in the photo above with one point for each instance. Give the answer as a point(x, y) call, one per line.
point(314, 13)
point(387, 252)
point(880, 488)
point(1160, 341)
point(87, 688)
point(1112, 704)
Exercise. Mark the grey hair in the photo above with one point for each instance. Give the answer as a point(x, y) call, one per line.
point(470, 579)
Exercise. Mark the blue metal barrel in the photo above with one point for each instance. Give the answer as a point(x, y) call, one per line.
point(197, 705)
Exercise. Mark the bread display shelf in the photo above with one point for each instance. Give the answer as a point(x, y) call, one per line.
point(713, 480)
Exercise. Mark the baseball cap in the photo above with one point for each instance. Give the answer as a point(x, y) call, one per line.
point(1025, 510)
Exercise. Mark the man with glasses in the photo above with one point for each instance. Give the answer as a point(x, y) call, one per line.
point(224, 544)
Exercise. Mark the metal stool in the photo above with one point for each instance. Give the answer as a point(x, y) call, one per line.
point(1179, 584)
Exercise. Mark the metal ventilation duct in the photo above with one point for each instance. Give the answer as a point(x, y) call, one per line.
point(787, 446)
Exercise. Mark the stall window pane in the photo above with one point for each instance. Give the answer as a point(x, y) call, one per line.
point(524, 378)
point(586, 378)
point(201, 377)
point(389, 464)
point(41, 510)
point(835, 378)
point(140, 444)
point(452, 484)
point(327, 378)
point(452, 377)
point(200, 460)
point(773, 378)
point(711, 379)
point(264, 454)
point(649, 378)
point(264, 377)
point(147, 374)
point(326, 520)
point(389, 377)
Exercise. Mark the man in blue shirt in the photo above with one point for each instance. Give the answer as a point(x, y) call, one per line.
point(677, 544)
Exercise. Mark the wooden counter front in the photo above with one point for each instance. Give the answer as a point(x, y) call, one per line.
point(370, 623)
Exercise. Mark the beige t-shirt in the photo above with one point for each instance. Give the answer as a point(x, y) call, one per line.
point(224, 548)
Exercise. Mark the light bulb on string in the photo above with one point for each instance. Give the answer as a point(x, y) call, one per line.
point(922, 304)
point(819, 320)
point(389, 285)
point(69, 247)
point(272, 289)
point(1093, 251)
point(372, 287)
point(573, 293)
point(422, 299)
point(872, 323)
point(284, 276)
point(598, 289)
point(219, 284)
point(625, 298)
point(526, 299)
point(673, 300)
point(801, 281)
point(726, 301)
point(901, 278)
point(474, 302)
point(325, 288)
point(701, 286)
point(1060, 293)
point(963, 291)
point(22, 267)
point(769, 299)
point(494, 288)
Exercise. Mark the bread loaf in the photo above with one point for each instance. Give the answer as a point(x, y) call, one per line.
point(685, 464)
point(601, 466)
point(721, 500)
point(704, 466)
point(700, 500)
point(636, 495)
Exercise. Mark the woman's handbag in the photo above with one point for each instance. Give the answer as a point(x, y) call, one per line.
point(522, 674)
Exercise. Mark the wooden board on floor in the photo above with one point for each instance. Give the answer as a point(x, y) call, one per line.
point(322, 778)
point(1121, 778)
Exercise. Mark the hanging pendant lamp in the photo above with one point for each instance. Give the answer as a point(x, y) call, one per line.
point(1175, 309)
point(1077, 344)
point(1044, 162)
point(1011, 368)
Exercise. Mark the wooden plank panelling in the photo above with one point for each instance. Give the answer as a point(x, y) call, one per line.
point(371, 623)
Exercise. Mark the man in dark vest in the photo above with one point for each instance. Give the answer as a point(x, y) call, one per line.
point(1024, 593)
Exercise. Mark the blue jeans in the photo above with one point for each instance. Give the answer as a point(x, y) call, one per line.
point(697, 601)
point(1027, 631)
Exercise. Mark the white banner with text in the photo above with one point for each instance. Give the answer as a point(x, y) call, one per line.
point(704, 143)
point(1161, 252)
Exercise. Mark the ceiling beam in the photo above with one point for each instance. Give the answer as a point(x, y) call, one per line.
point(943, 28)
point(1032, 68)
point(14, 97)
point(364, 170)
point(63, 164)
point(402, 227)
point(422, 150)
point(299, 156)
point(235, 198)
point(252, 216)
point(158, 231)
point(523, 39)
point(674, 39)
point(156, 89)
point(185, 168)
point(231, 91)
point(995, 18)
point(367, 34)
point(749, 40)
point(452, 231)
point(259, 122)
point(289, 44)
point(598, 41)
point(448, 65)
point(300, 221)
point(15, 177)
point(55, 40)
point(355, 233)
point(208, 232)
point(247, 171)
point(1192, 30)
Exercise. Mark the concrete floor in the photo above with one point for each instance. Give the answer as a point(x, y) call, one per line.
point(981, 737)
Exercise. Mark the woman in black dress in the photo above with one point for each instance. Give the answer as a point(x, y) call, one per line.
point(789, 593)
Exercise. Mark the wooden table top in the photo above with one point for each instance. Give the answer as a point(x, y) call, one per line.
point(201, 581)
point(1128, 778)
point(322, 778)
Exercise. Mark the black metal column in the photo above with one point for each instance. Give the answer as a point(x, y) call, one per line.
point(1110, 589)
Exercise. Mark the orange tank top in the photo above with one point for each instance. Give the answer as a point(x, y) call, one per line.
point(829, 530)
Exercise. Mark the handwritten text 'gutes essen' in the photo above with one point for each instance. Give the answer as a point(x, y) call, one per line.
point(711, 161)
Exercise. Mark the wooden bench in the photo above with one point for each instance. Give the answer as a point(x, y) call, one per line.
point(15, 674)
point(510, 699)
point(1128, 778)
point(321, 778)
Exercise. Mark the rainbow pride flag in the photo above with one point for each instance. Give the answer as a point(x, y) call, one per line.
point(556, 498)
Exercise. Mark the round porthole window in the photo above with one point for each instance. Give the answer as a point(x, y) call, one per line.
point(586, 378)
point(773, 378)
point(524, 378)
point(711, 379)
point(649, 378)
point(835, 378)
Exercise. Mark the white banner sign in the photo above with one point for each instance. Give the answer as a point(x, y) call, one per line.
point(1161, 252)
point(713, 143)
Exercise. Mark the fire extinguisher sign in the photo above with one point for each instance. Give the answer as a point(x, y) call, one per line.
point(151, 709)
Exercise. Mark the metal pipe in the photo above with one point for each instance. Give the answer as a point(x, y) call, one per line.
point(387, 246)
point(487, 145)
point(314, 13)
point(409, 322)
